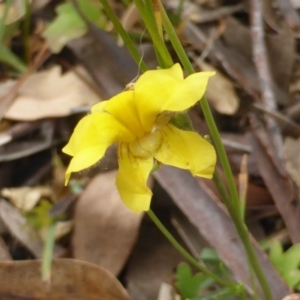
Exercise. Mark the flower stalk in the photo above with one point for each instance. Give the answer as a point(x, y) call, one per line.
point(232, 203)
point(184, 253)
point(124, 35)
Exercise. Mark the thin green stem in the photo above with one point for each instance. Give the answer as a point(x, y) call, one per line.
point(48, 252)
point(26, 29)
point(153, 31)
point(3, 19)
point(220, 186)
point(181, 250)
point(232, 203)
point(124, 35)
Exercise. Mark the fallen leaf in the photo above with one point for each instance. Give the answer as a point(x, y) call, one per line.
point(153, 260)
point(104, 229)
point(50, 93)
point(296, 4)
point(71, 279)
point(26, 197)
point(61, 228)
point(69, 24)
point(221, 92)
point(283, 192)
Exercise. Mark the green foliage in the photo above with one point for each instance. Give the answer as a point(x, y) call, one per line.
point(287, 263)
point(202, 287)
point(188, 284)
point(9, 58)
point(7, 30)
point(69, 25)
point(38, 217)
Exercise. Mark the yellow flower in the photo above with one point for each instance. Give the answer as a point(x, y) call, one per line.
point(138, 120)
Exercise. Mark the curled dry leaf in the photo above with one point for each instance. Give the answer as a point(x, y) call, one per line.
point(25, 197)
point(71, 279)
point(221, 92)
point(50, 93)
point(105, 230)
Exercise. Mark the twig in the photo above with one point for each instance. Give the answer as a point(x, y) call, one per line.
point(264, 73)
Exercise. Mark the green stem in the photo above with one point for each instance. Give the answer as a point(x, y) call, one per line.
point(26, 29)
point(3, 19)
point(232, 203)
point(124, 35)
point(153, 31)
point(181, 250)
point(48, 252)
point(220, 186)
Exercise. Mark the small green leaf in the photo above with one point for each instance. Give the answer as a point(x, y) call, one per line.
point(69, 25)
point(275, 255)
point(9, 58)
point(187, 284)
point(38, 217)
point(209, 255)
point(286, 263)
point(292, 277)
point(292, 257)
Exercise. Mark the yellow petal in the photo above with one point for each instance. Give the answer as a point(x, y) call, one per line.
point(166, 90)
point(85, 159)
point(90, 139)
point(123, 108)
point(132, 179)
point(99, 107)
point(186, 150)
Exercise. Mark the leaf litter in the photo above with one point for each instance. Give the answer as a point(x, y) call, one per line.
point(44, 106)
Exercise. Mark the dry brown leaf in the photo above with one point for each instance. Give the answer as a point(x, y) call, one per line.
point(153, 260)
point(276, 180)
point(295, 3)
point(105, 230)
point(4, 252)
point(26, 197)
point(292, 297)
point(221, 92)
point(292, 156)
point(50, 93)
point(61, 229)
point(16, 224)
point(71, 279)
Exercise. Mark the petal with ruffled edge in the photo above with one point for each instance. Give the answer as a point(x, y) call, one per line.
point(166, 90)
point(132, 179)
point(90, 139)
point(186, 150)
point(123, 108)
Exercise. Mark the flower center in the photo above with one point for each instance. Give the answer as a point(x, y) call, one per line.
point(162, 119)
point(147, 145)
